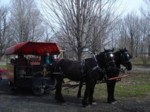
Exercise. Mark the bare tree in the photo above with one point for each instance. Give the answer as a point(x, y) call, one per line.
point(4, 30)
point(146, 10)
point(145, 39)
point(80, 24)
point(103, 25)
point(123, 37)
point(26, 23)
point(132, 29)
point(146, 13)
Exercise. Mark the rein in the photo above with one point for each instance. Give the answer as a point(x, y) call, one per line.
point(118, 78)
point(68, 85)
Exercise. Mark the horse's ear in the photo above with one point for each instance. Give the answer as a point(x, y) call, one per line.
point(112, 50)
point(104, 49)
point(131, 56)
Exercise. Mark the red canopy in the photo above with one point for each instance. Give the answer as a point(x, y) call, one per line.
point(34, 48)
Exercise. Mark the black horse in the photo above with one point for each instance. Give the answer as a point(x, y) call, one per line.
point(90, 69)
point(122, 57)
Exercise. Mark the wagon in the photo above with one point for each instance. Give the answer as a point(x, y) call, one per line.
point(35, 76)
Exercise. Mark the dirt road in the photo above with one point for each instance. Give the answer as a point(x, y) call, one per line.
point(25, 102)
point(141, 69)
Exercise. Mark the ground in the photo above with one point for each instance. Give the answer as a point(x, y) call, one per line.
point(25, 102)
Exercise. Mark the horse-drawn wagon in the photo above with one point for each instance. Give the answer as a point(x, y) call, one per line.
point(32, 73)
point(105, 65)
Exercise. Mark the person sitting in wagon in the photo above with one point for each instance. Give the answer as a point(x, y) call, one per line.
point(47, 62)
point(47, 59)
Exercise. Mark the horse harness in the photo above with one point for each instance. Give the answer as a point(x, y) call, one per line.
point(94, 68)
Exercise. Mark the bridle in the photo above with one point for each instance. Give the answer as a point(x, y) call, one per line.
point(110, 58)
point(107, 65)
point(126, 57)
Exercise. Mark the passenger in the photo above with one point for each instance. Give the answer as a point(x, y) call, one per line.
point(47, 59)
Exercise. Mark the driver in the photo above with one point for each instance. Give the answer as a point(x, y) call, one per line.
point(47, 61)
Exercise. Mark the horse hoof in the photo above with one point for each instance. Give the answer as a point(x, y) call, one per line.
point(112, 102)
point(64, 104)
point(80, 98)
point(61, 102)
point(94, 103)
point(86, 106)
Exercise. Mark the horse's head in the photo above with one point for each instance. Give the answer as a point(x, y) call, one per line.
point(106, 60)
point(123, 57)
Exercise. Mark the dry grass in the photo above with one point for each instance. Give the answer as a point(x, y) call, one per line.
point(135, 85)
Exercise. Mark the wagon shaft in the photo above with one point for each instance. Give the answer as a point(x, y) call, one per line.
point(116, 78)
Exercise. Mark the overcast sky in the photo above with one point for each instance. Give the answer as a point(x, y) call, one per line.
point(131, 5)
point(127, 6)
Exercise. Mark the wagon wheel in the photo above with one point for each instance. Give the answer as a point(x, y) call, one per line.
point(37, 87)
point(38, 91)
point(12, 87)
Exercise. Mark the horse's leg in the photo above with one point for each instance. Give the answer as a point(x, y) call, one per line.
point(58, 94)
point(51, 69)
point(110, 91)
point(80, 87)
point(86, 94)
point(92, 87)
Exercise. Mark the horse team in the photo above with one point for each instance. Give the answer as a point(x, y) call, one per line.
point(103, 66)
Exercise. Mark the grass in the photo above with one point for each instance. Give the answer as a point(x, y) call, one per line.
point(139, 62)
point(3, 66)
point(135, 85)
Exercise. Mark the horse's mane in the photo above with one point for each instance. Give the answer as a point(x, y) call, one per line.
point(100, 58)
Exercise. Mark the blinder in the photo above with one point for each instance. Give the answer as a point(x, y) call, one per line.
point(126, 57)
point(109, 59)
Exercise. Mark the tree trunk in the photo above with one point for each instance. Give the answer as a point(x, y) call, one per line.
point(132, 45)
point(149, 50)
